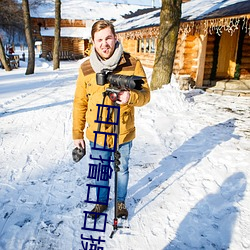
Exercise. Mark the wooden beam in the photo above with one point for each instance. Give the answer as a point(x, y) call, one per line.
point(201, 60)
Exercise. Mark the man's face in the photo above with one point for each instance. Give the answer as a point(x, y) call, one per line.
point(104, 42)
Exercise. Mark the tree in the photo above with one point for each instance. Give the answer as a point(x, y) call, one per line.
point(11, 19)
point(168, 34)
point(56, 59)
point(10, 24)
point(29, 39)
point(3, 57)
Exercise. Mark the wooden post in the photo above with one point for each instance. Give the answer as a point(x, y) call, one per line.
point(201, 60)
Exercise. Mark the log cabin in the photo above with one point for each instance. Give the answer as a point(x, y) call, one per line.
point(74, 37)
point(213, 41)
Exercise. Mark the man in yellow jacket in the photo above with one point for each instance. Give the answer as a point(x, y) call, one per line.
point(107, 54)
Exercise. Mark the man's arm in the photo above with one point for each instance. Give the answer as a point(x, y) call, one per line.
point(80, 106)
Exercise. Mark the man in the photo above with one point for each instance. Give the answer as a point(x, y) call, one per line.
point(107, 54)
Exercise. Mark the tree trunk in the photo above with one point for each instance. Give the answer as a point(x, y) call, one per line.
point(3, 57)
point(28, 33)
point(168, 34)
point(56, 59)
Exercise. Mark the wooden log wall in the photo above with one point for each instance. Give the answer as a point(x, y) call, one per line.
point(47, 45)
point(131, 46)
point(146, 59)
point(190, 56)
point(79, 46)
point(186, 55)
point(178, 61)
point(73, 45)
point(50, 22)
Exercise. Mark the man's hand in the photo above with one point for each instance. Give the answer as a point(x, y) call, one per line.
point(79, 143)
point(123, 97)
point(78, 152)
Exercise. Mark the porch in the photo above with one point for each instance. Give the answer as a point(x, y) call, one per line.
point(231, 87)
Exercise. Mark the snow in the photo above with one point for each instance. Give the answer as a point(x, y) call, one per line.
point(197, 9)
point(145, 20)
point(86, 10)
point(81, 32)
point(192, 10)
point(189, 168)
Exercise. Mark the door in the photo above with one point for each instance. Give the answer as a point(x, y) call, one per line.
point(227, 55)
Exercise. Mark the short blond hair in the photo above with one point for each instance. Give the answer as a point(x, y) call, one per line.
point(100, 25)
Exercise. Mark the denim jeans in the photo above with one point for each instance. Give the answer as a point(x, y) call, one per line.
point(123, 174)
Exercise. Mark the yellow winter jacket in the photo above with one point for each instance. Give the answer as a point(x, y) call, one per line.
point(88, 94)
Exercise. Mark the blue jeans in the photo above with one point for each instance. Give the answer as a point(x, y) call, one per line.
point(123, 174)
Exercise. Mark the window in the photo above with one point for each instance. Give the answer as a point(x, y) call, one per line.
point(146, 45)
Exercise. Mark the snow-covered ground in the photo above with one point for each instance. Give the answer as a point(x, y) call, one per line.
point(189, 168)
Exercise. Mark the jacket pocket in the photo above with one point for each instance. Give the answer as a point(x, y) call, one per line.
point(126, 120)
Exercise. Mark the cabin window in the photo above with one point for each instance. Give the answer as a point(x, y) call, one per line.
point(152, 45)
point(146, 45)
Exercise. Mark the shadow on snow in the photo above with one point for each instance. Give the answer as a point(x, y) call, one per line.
point(210, 223)
point(190, 153)
point(23, 110)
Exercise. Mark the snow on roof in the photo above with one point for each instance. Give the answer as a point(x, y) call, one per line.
point(197, 9)
point(192, 10)
point(79, 32)
point(85, 10)
point(145, 20)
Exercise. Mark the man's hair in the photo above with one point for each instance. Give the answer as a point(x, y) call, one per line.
point(101, 24)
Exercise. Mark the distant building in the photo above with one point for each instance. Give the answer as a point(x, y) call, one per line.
point(77, 19)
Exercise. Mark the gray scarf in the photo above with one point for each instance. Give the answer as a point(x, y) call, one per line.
point(110, 64)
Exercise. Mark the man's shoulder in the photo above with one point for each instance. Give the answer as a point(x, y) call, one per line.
point(128, 56)
point(127, 62)
point(87, 68)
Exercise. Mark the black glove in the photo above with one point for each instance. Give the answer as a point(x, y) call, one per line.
point(78, 153)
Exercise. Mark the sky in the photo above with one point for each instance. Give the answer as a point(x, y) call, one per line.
point(189, 168)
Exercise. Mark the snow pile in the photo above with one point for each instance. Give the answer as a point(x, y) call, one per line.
point(189, 168)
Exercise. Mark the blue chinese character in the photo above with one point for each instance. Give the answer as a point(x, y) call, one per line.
point(107, 120)
point(104, 148)
point(99, 240)
point(98, 188)
point(94, 224)
point(100, 172)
